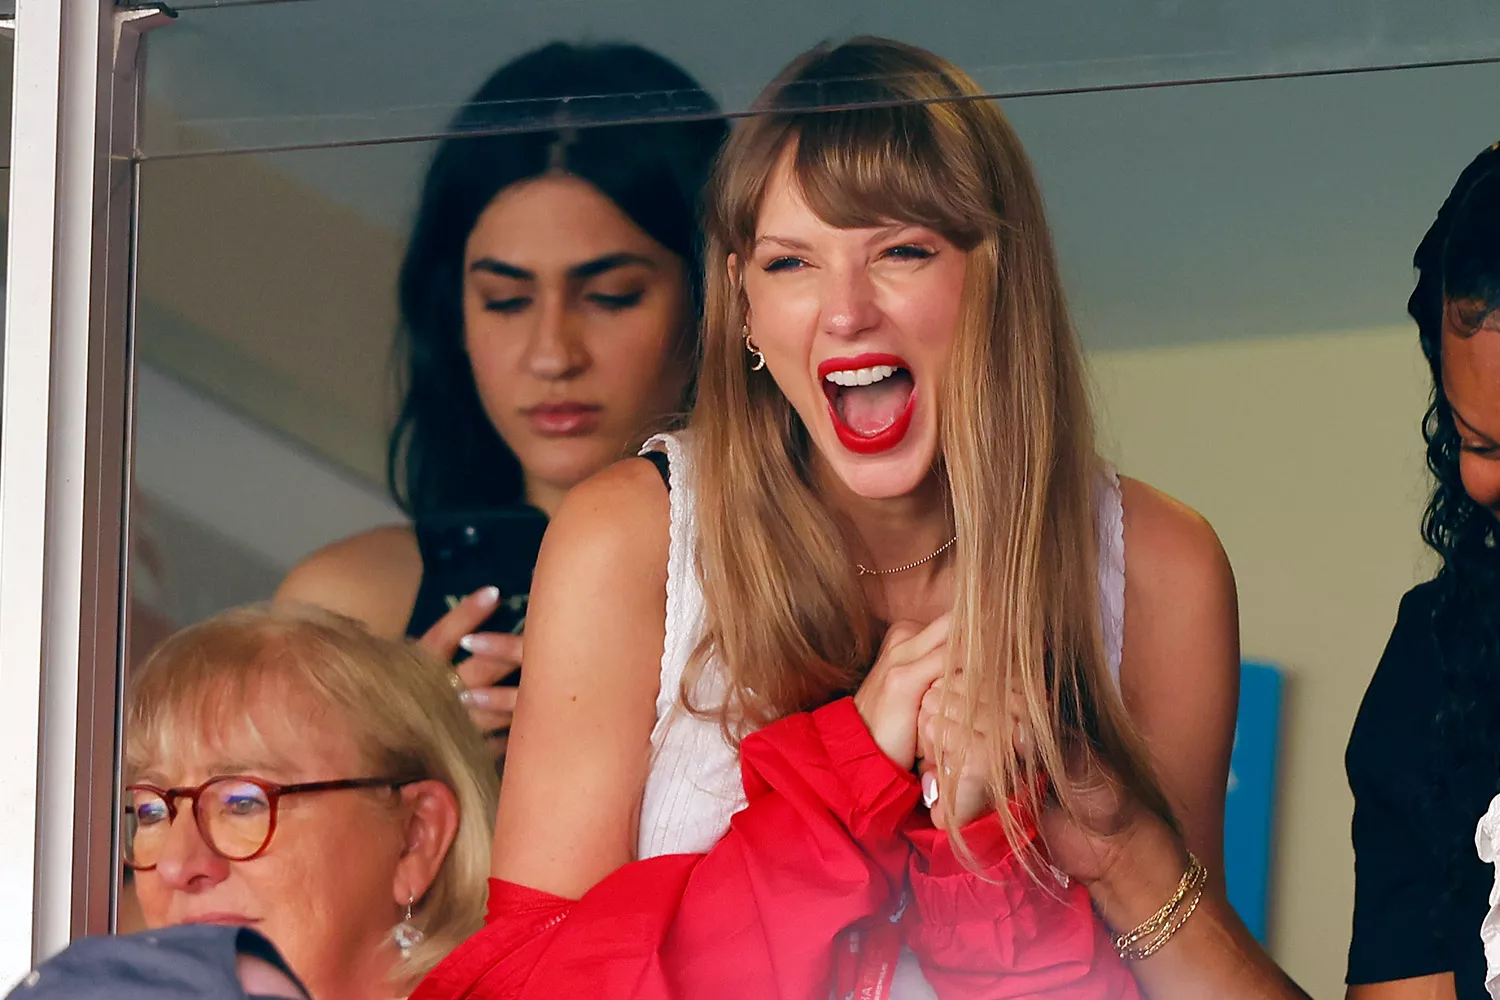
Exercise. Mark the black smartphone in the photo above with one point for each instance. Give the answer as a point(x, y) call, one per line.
point(464, 552)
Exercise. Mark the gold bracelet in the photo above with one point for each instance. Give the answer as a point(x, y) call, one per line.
point(1158, 920)
point(1165, 922)
point(1146, 951)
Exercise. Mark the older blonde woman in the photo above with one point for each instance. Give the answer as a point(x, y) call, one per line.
point(290, 772)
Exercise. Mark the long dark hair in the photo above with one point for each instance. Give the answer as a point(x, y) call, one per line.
point(444, 453)
point(1459, 261)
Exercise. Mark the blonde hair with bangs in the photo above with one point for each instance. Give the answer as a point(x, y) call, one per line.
point(396, 701)
point(877, 131)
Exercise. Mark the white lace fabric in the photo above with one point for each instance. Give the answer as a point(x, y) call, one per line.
point(1487, 842)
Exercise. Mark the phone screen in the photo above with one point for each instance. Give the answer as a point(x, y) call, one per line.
point(464, 552)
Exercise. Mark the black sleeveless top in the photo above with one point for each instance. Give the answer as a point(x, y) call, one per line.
point(444, 583)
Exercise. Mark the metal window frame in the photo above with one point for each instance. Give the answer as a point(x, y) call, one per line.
point(65, 434)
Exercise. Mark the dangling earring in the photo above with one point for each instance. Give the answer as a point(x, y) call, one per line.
point(760, 359)
point(406, 934)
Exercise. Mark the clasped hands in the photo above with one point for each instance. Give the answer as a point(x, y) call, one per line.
point(915, 714)
point(905, 701)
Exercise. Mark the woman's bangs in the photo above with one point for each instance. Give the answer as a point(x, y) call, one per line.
point(197, 714)
point(219, 705)
point(873, 166)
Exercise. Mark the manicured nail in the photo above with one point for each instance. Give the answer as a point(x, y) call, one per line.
point(466, 696)
point(480, 698)
point(489, 596)
point(466, 643)
point(929, 789)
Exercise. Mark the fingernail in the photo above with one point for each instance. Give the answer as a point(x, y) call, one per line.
point(479, 697)
point(929, 789)
point(489, 596)
point(482, 644)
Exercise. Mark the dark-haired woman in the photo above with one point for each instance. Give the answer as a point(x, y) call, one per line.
point(1424, 757)
point(548, 314)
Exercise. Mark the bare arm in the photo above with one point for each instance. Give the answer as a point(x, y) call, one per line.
point(1438, 987)
point(1213, 954)
point(371, 577)
point(580, 744)
point(1181, 668)
point(1180, 681)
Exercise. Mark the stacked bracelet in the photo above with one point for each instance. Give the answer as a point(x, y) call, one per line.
point(1157, 930)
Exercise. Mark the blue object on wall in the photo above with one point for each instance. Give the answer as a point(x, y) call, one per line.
point(1249, 808)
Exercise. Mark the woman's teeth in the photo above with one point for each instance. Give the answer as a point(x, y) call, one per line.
point(861, 376)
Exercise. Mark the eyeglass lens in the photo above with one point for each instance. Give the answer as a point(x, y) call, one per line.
point(234, 817)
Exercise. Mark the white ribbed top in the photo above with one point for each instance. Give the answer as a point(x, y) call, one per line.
point(694, 785)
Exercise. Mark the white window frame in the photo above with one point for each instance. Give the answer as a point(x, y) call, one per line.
point(65, 419)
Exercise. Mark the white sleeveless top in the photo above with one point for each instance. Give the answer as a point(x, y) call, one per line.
point(694, 785)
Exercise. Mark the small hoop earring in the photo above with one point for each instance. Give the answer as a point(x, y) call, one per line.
point(760, 359)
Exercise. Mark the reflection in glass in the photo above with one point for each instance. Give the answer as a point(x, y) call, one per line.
point(241, 75)
point(1237, 255)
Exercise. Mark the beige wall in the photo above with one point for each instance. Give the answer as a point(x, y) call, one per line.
point(1302, 451)
point(260, 292)
point(1305, 454)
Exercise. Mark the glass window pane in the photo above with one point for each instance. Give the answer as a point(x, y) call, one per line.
point(1237, 255)
point(257, 74)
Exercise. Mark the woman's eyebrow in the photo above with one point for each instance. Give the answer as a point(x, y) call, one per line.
point(785, 242)
point(608, 262)
point(489, 265)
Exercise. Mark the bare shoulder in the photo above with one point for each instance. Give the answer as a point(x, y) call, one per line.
point(580, 746)
point(1169, 545)
point(617, 520)
point(372, 577)
point(602, 572)
point(1179, 587)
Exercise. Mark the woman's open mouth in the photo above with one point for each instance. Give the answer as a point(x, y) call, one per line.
point(871, 399)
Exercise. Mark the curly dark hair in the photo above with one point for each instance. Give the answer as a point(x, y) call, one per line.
point(1457, 262)
point(444, 453)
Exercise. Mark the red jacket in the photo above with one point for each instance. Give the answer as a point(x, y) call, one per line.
point(819, 859)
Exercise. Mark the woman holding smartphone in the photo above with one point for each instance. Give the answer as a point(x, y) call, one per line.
point(549, 306)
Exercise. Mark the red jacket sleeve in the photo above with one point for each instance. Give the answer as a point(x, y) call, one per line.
point(817, 848)
point(999, 933)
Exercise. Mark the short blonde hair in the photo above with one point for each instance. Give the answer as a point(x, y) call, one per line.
point(397, 701)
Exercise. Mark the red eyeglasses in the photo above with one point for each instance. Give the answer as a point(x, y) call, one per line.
point(235, 814)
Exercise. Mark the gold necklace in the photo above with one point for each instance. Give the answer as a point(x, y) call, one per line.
point(866, 571)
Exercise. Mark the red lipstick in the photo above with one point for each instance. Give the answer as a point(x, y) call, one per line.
point(889, 437)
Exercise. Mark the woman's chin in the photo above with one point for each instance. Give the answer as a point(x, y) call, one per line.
point(565, 466)
point(887, 475)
